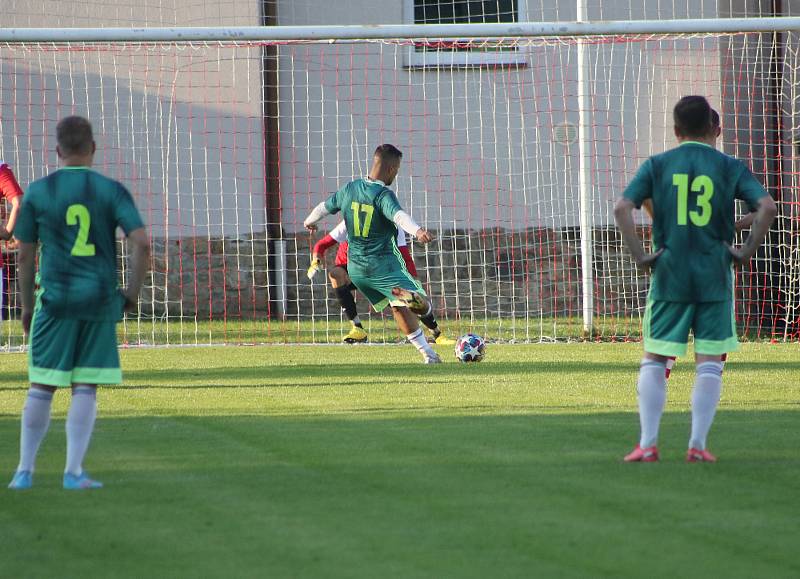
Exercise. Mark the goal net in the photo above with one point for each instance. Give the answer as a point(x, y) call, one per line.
point(227, 146)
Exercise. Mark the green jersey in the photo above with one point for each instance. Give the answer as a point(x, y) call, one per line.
point(368, 208)
point(75, 213)
point(693, 189)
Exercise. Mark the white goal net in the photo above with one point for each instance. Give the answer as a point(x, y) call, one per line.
point(227, 145)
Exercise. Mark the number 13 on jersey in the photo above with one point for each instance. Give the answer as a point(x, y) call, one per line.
point(368, 210)
point(703, 183)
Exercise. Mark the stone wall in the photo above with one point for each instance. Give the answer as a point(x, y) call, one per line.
point(494, 272)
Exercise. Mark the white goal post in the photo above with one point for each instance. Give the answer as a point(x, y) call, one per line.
point(227, 136)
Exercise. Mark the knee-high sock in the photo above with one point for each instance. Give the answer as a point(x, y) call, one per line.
point(80, 424)
point(420, 343)
point(652, 388)
point(348, 304)
point(705, 399)
point(430, 321)
point(35, 421)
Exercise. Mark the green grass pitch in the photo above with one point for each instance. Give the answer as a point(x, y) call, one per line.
point(332, 461)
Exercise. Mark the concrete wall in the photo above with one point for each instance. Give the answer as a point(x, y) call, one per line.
point(182, 128)
point(479, 143)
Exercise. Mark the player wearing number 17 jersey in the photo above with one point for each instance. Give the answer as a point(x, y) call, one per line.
point(693, 188)
point(72, 216)
point(372, 214)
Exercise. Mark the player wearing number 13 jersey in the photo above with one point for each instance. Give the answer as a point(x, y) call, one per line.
point(693, 188)
point(72, 216)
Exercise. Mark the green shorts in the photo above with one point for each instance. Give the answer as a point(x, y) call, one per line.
point(666, 327)
point(377, 287)
point(64, 351)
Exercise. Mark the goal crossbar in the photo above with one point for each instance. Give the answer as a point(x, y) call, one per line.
point(393, 31)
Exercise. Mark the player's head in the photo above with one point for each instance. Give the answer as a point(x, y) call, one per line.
point(692, 116)
point(716, 129)
point(74, 137)
point(386, 163)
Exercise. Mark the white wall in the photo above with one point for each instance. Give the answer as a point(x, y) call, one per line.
point(478, 143)
point(181, 127)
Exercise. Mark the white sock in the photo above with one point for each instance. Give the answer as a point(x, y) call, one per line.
point(421, 343)
point(652, 388)
point(80, 424)
point(35, 421)
point(705, 398)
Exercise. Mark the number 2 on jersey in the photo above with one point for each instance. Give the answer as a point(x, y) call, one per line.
point(79, 215)
point(367, 209)
point(700, 183)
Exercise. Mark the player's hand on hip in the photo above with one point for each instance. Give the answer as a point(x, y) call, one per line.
point(424, 236)
point(26, 322)
point(645, 263)
point(740, 256)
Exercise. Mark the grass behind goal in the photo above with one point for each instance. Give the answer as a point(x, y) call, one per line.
point(361, 462)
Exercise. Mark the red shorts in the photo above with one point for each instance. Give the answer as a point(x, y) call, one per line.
point(341, 255)
point(341, 258)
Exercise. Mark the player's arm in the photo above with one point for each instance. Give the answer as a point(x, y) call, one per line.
point(390, 207)
point(762, 220)
point(27, 232)
point(745, 221)
point(318, 253)
point(647, 205)
point(26, 273)
point(139, 245)
point(623, 215)
point(10, 189)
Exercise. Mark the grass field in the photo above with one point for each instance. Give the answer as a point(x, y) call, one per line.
point(361, 462)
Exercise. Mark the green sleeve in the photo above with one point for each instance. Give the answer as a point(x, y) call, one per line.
point(126, 214)
point(641, 186)
point(26, 229)
point(749, 190)
point(388, 204)
point(333, 203)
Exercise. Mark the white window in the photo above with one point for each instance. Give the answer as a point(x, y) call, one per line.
point(464, 53)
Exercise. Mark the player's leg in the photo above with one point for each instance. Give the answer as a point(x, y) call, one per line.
point(96, 362)
point(50, 362)
point(715, 336)
point(666, 331)
point(341, 284)
point(428, 319)
point(408, 324)
point(378, 289)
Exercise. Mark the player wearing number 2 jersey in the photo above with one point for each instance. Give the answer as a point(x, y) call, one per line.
point(72, 216)
point(372, 215)
point(693, 188)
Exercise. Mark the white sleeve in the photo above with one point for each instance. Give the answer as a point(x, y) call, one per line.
point(339, 233)
point(405, 222)
point(318, 213)
point(401, 238)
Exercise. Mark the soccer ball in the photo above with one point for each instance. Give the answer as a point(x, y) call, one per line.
point(470, 348)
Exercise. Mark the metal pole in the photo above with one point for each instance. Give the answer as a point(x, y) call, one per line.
point(584, 183)
point(394, 31)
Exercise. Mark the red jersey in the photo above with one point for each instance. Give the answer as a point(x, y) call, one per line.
point(9, 189)
point(339, 235)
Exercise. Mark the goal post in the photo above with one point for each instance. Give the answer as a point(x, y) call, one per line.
point(517, 137)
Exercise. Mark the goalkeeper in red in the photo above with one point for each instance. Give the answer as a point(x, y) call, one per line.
point(693, 188)
point(376, 267)
point(72, 216)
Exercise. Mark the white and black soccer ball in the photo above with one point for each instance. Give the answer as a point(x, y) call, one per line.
point(470, 348)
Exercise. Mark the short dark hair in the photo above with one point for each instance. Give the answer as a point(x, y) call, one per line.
point(388, 153)
point(714, 118)
point(692, 116)
point(74, 135)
